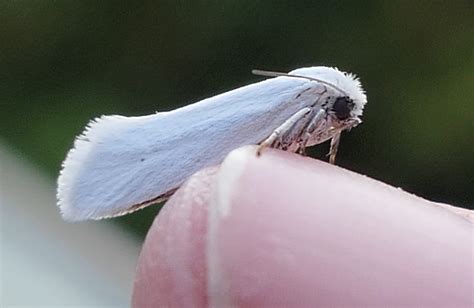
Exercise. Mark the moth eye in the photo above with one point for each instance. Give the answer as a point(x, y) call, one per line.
point(342, 107)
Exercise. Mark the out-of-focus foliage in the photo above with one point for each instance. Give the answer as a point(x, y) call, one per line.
point(65, 62)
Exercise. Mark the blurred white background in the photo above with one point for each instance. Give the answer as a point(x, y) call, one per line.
point(48, 262)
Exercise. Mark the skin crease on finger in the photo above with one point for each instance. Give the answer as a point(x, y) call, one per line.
point(283, 229)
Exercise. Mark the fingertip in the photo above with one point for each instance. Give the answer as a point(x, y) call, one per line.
point(282, 229)
point(296, 231)
point(172, 268)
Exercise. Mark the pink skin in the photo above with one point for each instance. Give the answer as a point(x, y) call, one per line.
point(281, 229)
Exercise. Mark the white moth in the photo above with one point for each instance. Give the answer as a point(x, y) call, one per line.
point(121, 164)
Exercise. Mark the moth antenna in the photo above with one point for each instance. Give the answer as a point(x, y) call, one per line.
point(278, 74)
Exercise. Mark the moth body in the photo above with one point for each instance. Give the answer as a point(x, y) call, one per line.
point(120, 164)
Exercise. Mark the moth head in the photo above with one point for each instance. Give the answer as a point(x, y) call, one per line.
point(343, 111)
point(346, 100)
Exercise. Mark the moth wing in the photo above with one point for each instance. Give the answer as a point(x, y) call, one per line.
point(120, 164)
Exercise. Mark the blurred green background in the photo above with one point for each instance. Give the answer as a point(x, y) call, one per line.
point(65, 62)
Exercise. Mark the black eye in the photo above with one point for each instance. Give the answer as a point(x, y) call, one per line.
point(342, 107)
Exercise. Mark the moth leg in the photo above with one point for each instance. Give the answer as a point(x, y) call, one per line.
point(309, 130)
point(333, 149)
point(283, 129)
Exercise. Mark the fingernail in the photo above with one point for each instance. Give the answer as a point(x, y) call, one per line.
point(220, 207)
point(289, 230)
